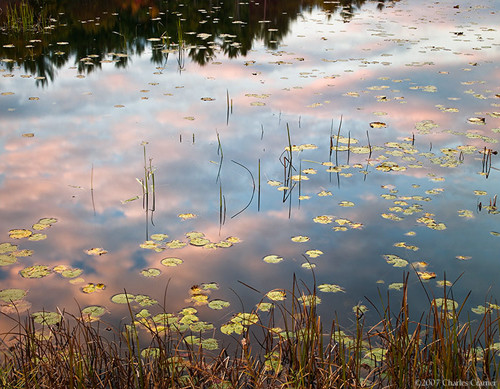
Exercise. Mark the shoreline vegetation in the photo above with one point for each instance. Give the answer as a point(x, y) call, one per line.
point(443, 348)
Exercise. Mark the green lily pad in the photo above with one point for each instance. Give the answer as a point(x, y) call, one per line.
point(210, 344)
point(330, 288)
point(23, 253)
point(276, 295)
point(9, 295)
point(150, 352)
point(67, 272)
point(91, 287)
point(159, 237)
point(145, 301)
point(175, 244)
point(6, 259)
point(47, 318)
point(123, 298)
point(47, 221)
point(218, 304)
point(231, 327)
point(314, 253)
point(199, 241)
point(309, 300)
point(94, 311)
point(96, 251)
point(209, 286)
point(171, 261)
point(7, 248)
point(35, 271)
point(395, 261)
point(37, 236)
point(273, 258)
point(152, 272)
point(265, 307)
point(396, 286)
point(19, 233)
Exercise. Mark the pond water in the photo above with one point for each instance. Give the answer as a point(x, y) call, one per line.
point(122, 121)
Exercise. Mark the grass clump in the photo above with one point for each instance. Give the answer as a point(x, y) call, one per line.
point(287, 347)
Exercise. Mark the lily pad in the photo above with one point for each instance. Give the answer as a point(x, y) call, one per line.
point(96, 251)
point(48, 318)
point(7, 259)
point(19, 233)
point(7, 248)
point(91, 287)
point(152, 272)
point(273, 258)
point(35, 271)
point(300, 238)
point(330, 288)
point(37, 236)
point(218, 304)
point(123, 298)
point(276, 295)
point(9, 295)
point(171, 261)
point(94, 311)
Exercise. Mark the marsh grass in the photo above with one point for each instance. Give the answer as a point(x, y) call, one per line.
point(397, 352)
point(23, 17)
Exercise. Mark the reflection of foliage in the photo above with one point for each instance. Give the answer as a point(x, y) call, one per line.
point(202, 30)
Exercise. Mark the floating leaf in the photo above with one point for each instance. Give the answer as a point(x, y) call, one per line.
point(425, 275)
point(209, 286)
point(9, 295)
point(449, 304)
point(67, 272)
point(91, 287)
point(159, 237)
point(199, 241)
point(35, 271)
point(23, 253)
point(7, 248)
point(323, 219)
point(273, 258)
point(209, 344)
point(96, 251)
point(276, 295)
point(7, 259)
point(186, 216)
point(300, 238)
point(395, 260)
point(231, 327)
point(307, 265)
point(477, 120)
point(171, 261)
point(218, 304)
point(152, 272)
point(175, 244)
point(94, 311)
point(330, 288)
point(144, 300)
point(123, 298)
point(396, 286)
point(265, 307)
point(309, 300)
point(378, 125)
point(36, 237)
point(48, 221)
point(19, 234)
point(151, 353)
point(314, 253)
point(46, 318)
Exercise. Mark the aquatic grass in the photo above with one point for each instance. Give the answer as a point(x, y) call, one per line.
point(397, 352)
point(20, 17)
